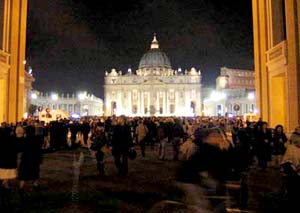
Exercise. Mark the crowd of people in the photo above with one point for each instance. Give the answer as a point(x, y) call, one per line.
point(249, 142)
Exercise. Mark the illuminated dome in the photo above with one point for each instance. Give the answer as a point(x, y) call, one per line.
point(155, 57)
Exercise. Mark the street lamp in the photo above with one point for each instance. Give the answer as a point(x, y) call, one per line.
point(34, 96)
point(54, 97)
point(30, 70)
point(251, 96)
point(81, 96)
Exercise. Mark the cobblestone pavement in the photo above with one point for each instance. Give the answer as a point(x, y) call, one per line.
point(69, 183)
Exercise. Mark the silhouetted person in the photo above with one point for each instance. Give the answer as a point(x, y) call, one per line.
point(121, 142)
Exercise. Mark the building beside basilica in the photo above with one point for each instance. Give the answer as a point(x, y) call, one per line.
point(155, 89)
point(276, 36)
point(234, 94)
point(81, 104)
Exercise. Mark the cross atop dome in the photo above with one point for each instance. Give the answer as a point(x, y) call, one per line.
point(154, 44)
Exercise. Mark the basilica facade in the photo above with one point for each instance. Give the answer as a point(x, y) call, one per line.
point(154, 89)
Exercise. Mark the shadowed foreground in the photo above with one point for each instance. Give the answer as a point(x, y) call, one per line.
point(69, 183)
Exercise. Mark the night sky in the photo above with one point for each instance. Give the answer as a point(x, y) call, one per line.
point(71, 43)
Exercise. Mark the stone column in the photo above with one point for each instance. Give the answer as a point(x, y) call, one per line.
point(3, 94)
point(164, 102)
point(168, 102)
point(142, 103)
point(148, 104)
point(118, 100)
point(129, 102)
point(176, 102)
point(186, 104)
point(138, 102)
point(157, 101)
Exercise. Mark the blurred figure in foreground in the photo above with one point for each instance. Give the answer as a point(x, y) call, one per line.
point(121, 143)
point(98, 139)
point(31, 157)
point(8, 162)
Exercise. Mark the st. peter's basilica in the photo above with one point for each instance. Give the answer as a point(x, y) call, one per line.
point(155, 89)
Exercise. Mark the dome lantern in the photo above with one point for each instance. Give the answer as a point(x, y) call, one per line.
point(154, 44)
point(155, 57)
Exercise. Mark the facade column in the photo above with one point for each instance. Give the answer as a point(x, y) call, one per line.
point(168, 102)
point(164, 102)
point(148, 104)
point(142, 104)
point(138, 101)
point(3, 94)
point(186, 102)
point(119, 101)
point(176, 102)
point(157, 101)
point(129, 102)
point(79, 108)
point(70, 108)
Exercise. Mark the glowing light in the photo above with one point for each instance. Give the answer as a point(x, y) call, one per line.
point(54, 97)
point(30, 71)
point(251, 96)
point(230, 115)
point(33, 96)
point(81, 96)
point(223, 83)
point(25, 115)
point(217, 96)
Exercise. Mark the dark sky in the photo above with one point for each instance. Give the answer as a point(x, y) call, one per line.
point(71, 43)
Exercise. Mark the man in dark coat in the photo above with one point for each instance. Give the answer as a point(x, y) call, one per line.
point(8, 155)
point(74, 128)
point(85, 130)
point(31, 158)
point(176, 137)
point(121, 143)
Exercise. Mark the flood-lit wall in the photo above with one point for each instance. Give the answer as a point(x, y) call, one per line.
point(276, 53)
point(13, 15)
